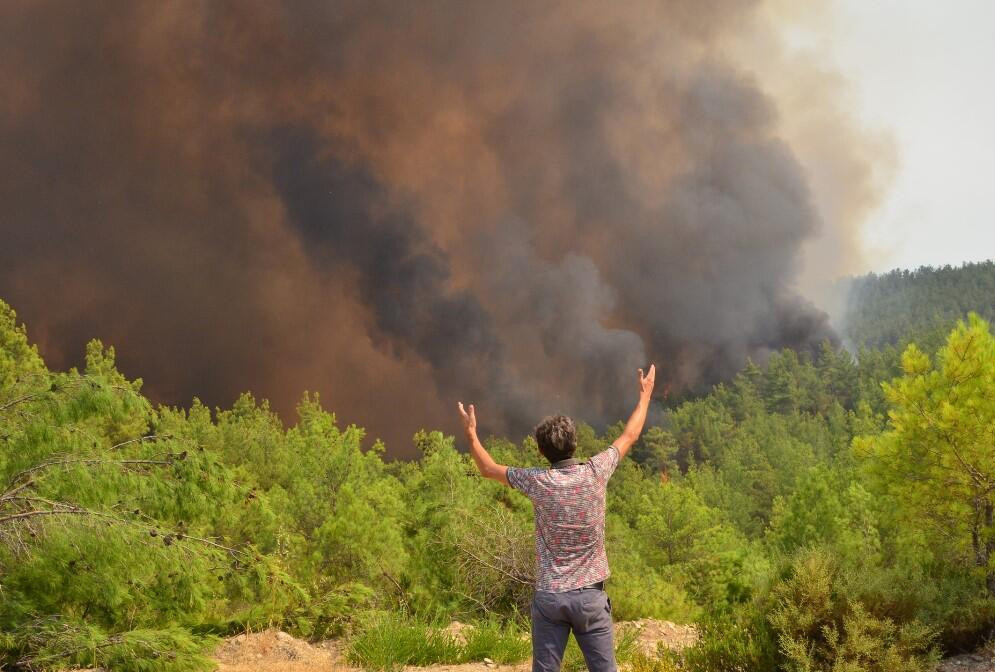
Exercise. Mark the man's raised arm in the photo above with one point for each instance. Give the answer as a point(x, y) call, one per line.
point(485, 463)
point(634, 426)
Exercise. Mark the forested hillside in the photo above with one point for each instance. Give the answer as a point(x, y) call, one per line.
point(891, 308)
point(806, 516)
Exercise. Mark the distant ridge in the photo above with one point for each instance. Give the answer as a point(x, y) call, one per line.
point(903, 305)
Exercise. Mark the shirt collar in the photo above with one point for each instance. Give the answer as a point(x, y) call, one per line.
point(562, 464)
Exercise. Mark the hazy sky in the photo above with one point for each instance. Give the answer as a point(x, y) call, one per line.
point(923, 71)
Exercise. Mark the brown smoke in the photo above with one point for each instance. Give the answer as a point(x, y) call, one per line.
point(400, 204)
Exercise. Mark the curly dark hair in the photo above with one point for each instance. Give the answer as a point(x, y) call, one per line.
point(557, 438)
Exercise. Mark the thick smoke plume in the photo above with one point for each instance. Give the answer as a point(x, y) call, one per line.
point(399, 204)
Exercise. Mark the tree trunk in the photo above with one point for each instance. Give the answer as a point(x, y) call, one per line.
point(976, 545)
point(989, 547)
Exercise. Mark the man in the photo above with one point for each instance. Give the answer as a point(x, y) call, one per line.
point(569, 503)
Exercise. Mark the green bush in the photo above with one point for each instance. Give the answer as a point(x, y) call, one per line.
point(822, 626)
point(740, 640)
point(502, 643)
point(327, 613)
point(56, 643)
point(389, 641)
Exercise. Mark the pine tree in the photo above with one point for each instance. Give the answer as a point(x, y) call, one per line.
point(936, 454)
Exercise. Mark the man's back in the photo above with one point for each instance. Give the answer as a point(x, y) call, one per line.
point(569, 503)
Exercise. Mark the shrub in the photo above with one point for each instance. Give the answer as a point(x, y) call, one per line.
point(389, 641)
point(56, 643)
point(820, 625)
point(740, 640)
point(503, 644)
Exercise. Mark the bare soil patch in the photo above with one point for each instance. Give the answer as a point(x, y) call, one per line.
point(276, 651)
point(969, 662)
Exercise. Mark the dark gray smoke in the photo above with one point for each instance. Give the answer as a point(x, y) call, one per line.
point(346, 220)
point(399, 204)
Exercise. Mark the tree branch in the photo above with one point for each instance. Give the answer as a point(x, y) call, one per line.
point(56, 463)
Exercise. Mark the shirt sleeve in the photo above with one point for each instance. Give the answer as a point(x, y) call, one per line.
point(604, 463)
point(522, 479)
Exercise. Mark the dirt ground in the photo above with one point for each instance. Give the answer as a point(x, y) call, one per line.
point(970, 662)
point(276, 651)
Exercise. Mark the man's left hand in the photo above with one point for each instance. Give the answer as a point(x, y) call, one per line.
point(469, 419)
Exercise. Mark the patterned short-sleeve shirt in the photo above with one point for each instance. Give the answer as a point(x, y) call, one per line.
point(569, 506)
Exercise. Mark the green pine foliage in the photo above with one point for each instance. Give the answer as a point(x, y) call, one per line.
point(826, 511)
point(55, 643)
point(921, 305)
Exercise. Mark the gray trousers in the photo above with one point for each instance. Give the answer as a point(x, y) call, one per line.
point(586, 611)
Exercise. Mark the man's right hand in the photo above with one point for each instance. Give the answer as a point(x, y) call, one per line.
point(646, 382)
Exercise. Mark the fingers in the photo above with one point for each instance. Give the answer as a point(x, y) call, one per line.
point(470, 416)
point(648, 376)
